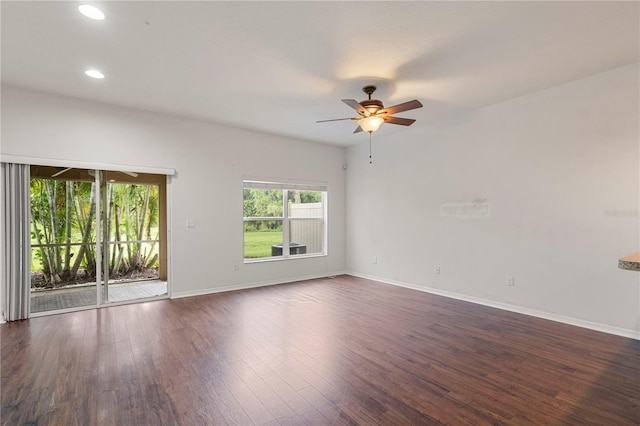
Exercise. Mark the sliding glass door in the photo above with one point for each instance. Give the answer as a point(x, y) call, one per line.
point(98, 237)
point(63, 244)
point(133, 241)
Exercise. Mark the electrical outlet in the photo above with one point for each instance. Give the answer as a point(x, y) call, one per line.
point(511, 280)
point(235, 266)
point(375, 260)
point(437, 270)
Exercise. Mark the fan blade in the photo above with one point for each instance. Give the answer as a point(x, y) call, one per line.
point(399, 120)
point(61, 172)
point(337, 119)
point(132, 174)
point(402, 107)
point(356, 105)
point(358, 129)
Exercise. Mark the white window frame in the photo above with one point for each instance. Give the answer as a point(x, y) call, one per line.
point(285, 188)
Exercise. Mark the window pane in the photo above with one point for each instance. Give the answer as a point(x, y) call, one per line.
point(260, 237)
point(62, 233)
point(305, 236)
point(262, 203)
point(305, 204)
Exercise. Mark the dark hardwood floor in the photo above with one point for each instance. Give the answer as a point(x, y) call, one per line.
point(330, 351)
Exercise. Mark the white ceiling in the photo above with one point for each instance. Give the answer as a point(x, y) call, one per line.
point(280, 66)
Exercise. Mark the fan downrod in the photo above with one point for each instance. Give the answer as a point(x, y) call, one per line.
point(369, 90)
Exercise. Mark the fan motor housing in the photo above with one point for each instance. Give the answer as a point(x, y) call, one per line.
point(371, 105)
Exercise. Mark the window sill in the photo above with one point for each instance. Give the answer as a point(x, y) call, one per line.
point(280, 258)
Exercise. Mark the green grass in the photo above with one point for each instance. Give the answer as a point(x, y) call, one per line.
point(258, 243)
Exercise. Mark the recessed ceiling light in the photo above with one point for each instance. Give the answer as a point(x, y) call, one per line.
point(91, 12)
point(94, 73)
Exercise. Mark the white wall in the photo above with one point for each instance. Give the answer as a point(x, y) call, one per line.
point(552, 165)
point(210, 161)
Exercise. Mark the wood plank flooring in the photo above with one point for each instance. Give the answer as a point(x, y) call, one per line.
point(335, 351)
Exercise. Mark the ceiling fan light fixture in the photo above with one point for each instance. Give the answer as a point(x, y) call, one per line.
point(370, 124)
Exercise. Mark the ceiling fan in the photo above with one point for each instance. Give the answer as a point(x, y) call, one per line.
point(373, 113)
point(132, 174)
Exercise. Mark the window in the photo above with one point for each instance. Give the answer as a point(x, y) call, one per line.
point(284, 220)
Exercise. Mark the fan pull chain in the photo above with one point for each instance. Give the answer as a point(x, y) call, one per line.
point(370, 148)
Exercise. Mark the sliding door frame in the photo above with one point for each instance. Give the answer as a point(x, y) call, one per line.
point(165, 216)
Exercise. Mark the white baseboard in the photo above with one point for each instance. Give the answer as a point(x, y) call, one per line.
point(633, 334)
point(250, 285)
